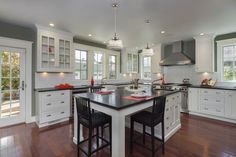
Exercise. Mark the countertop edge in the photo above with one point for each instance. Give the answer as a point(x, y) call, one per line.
point(214, 87)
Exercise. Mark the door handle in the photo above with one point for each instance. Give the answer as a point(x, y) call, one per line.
point(22, 85)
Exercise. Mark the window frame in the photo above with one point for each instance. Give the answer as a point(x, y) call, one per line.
point(103, 61)
point(87, 71)
point(220, 57)
point(116, 66)
point(142, 68)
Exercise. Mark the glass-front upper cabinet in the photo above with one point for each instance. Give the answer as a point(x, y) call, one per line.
point(53, 50)
point(132, 64)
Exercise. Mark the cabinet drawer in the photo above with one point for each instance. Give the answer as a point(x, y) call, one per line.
point(54, 115)
point(48, 97)
point(214, 92)
point(47, 106)
point(213, 110)
point(211, 99)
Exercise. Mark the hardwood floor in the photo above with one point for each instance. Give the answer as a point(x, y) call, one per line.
point(198, 137)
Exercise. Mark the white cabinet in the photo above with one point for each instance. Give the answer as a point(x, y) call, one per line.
point(132, 63)
point(204, 53)
point(230, 104)
point(52, 107)
point(193, 99)
point(172, 112)
point(54, 50)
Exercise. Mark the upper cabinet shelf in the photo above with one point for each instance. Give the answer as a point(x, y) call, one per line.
point(54, 50)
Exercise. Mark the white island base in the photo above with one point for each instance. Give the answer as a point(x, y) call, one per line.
point(120, 119)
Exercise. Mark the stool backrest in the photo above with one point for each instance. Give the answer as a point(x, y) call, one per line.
point(158, 108)
point(83, 108)
point(95, 89)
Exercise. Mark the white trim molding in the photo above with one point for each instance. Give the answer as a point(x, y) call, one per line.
point(27, 45)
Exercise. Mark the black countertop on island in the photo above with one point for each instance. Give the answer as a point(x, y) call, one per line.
point(56, 89)
point(117, 101)
point(214, 87)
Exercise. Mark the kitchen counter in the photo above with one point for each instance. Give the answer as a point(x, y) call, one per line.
point(116, 99)
point(214, 87)
point(56, 89)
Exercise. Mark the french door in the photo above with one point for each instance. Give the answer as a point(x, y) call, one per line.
point(12, 81)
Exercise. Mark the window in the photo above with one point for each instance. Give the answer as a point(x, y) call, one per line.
point(132, 64)
point(146, 68)
point(98, 66)
point(81, 65)
point(229, 62)
point(112, 67)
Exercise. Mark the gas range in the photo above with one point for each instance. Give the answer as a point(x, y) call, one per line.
point(176, 87)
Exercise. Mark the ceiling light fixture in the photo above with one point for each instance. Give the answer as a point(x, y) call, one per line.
point(90, 35)
point(163, 32)
point(51, 24)
point(115, 42)
point(147, 51)
point(202, 34)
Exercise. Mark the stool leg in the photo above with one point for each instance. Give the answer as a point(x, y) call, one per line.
point(110, 135)
point(102, 131)
point(90, 142)
point(97, 131)
point(163, 137)
point(153, 144)
point(144, 127)
point(131, 135)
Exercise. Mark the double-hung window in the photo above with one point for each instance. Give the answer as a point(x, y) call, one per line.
point(112, 67)
point(81, 64)
point(98, 69)
point(146, 67)
point(229, 62)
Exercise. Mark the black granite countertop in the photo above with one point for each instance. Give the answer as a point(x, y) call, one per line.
point(214, 87)
point(116, 99)
point(56, 89)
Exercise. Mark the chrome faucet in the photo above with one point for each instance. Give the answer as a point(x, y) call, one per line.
point(152, 85)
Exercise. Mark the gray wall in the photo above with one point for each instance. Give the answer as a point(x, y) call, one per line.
point(23, 33)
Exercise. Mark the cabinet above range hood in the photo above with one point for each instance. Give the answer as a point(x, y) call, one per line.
point(181, 53)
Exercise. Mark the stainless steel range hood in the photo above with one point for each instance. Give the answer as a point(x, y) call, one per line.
point(177, 57)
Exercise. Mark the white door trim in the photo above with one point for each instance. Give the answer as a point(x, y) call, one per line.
point(27, 45)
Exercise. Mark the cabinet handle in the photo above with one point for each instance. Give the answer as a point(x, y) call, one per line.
point(176, 106)
point(217, 110)
point(217, 92)
point(167, 128)
point(62, 112)
point(205, 91)
point(62, 93)
point(167, 118)
point(167, 109)
point(173, 98)
point(49, 95)
point(49, 104)
point(206, 108)
point(62, 102)
point(49, 115)
point(206, 99)
point(217, 100)
point(230, 95)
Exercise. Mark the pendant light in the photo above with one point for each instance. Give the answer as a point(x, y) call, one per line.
point(147, 51)
point(115, 42)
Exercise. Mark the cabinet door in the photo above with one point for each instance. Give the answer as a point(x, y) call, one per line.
point(129, 63)
point(204, 54)
point(135, 63)
point(64, 55)
point(193, 99)
point(230, 104)
point(47, 50)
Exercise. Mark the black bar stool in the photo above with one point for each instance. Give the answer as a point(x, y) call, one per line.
point(91, 120)
point(150, 119)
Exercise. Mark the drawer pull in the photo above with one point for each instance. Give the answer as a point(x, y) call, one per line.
point(62, 102)
point(217, 92)
point(167, 128)
point(62, 93)
point(217, 100)
point(167, 109)
point(49, 95)
point(176, 106)
point(205, 91)
point(62, 112)
point(173, 98)
point(206, 99)
point(217, 110)
point(167, 118)
point(49, 104)
point(49, 115)
point(205, 108)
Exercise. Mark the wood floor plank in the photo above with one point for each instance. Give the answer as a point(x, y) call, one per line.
point(198, 137)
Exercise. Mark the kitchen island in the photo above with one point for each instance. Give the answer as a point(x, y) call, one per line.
point(119, 108)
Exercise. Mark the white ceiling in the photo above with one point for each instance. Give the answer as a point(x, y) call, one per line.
point(180, 19)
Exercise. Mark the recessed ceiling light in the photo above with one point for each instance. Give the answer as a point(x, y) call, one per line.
point(202, 34)
point(162, 32)
point(104, 42)
point(90, 35)
point(51, 24)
